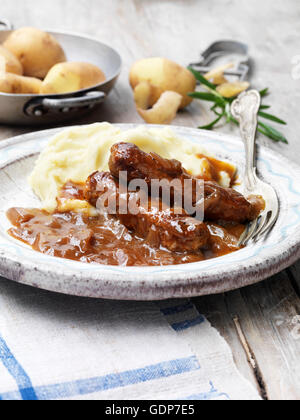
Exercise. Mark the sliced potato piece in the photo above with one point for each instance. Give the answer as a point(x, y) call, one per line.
point(13, 83)
point(164, 111)
point(9, 62)
point(71, 77)
point(144, 94)
point(230, 90)
point(216, 76)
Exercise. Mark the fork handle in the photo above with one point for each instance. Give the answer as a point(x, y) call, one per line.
point(245, 109)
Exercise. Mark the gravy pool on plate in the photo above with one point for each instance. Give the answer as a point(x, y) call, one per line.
point(74, 230)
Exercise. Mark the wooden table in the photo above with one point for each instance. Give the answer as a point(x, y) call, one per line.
point(261, 323)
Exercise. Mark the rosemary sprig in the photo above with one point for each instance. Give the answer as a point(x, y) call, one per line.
point(222, 109)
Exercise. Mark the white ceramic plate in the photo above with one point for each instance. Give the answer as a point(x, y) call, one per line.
point(247, 266)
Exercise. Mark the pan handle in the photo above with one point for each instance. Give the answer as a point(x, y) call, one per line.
point(6, 25)
point(41, 106)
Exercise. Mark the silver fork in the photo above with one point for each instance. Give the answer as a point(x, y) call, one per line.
point(245, 109)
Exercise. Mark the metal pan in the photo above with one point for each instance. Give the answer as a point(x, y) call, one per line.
point(55, 109)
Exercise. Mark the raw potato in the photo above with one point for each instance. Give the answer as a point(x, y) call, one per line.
point(231, 90)
point(36, 50)
point(163, 75)
point(71, 77)
point(9, 62)
point(13, 83)
point(165, 109)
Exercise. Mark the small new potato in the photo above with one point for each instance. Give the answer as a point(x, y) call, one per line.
point(71, 77)
point(13, 83)
point(9, 62)
point(37, 51)
point(163, 75)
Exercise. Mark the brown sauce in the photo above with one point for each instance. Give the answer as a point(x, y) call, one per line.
point(215, 167)
point(103, 240)
point(71, 190)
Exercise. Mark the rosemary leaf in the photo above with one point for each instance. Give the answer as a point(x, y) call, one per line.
point(202, 79)
point(271, 117)
point(264, 92)
point(210, 97)
point(272, 133)
point(212, 124)
point(205, 96)
point(233, 120)
point(267, 134)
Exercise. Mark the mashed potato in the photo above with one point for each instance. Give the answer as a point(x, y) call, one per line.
point(75, 153)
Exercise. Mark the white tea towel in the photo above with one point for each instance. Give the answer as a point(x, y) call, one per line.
point(61, 347)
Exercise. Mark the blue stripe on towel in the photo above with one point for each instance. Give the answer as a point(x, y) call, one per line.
point(207, 396)
point(17, 372)
point(177, 309)
point(11, 396)
point(115, 380)
point(213, 394)
point(184, 325)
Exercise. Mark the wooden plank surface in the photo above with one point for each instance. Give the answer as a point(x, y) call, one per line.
point(260, 322)
point(294, 273)
point(268, 314)
point(216, 311)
